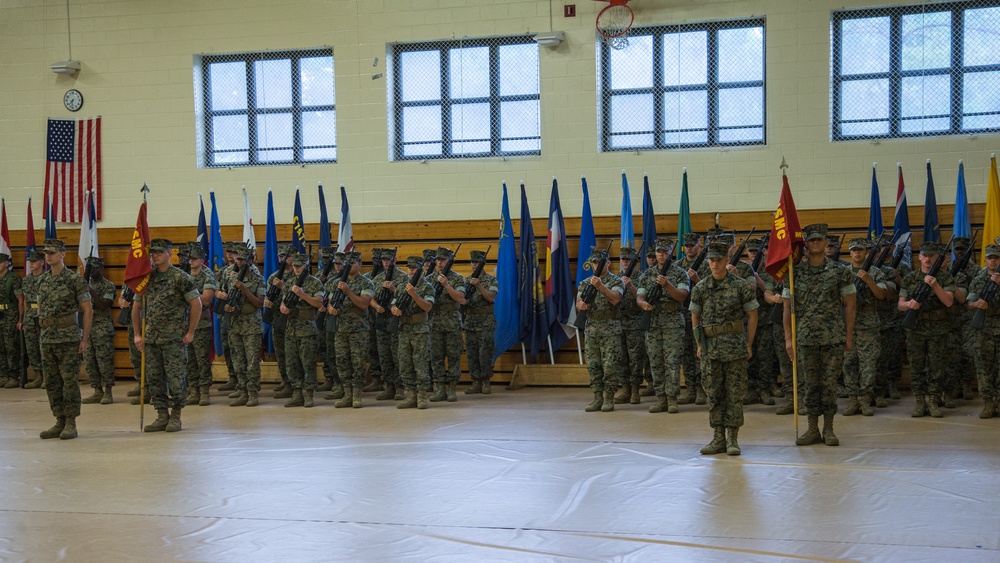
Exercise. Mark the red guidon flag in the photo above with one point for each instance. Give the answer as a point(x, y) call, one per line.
point(138, 266)
point(786, 234)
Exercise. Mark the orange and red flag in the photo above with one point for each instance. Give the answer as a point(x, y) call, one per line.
point(137, 266)
point(786, 234)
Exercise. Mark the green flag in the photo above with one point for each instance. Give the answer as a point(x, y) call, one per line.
point(683, 219)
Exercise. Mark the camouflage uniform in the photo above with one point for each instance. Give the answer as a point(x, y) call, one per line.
point(224, 275)
point(480, 325)
point(199, 369)
point(99, 359)
point(352, 330)
point(988, 340)
point(59, 299)
point(861, 361)
point(29, 322)
point(890, 359)
point(244, 336)
point(300, 335)
point(326, 341)
point(665, 337)
point(689, 358)
point(278, 335)
point(784, 362)
point(387, 342)
point(761, 372)
point(446, 335)
point(414, 338)
point(604, 354)
point(374, 365)
point(134, 356)
point(633, 337)
point(166, 307)
point(961, 337)
point(10, 314)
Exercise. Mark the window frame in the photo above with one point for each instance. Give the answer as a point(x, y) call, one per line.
point(397, 144)
point(895, 74)
point(658, 90)
point(252, 112)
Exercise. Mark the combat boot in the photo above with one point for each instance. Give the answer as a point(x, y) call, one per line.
point(280, 387)
point(252, 399)
point(812, 435)
point(336, 393)
point(932, 406)
point(296, 399)
point(852, 407)
point(475, 389)
point(866, 405)
point(69, 431)
point(375, 385)
point(356, 398)
point(307, 398)
point(893, 391)
point(718, 443)
point(422, 399)
point(700, 398)
point(174, 422)
point(597, 403)
point(347, 400)
point(133, 392)
point(193, 396)
point(841, 391)
point(55, 431)
point(205, 399)
point(36, 381)
point(160, 424)
point(660, 405)
point(829, 438)
point(647, 391)
point(949, 400)
point(785, 408)
point(326, 386)
point(968, 393)
point(389, 392)
point(439, 393)
point(751, 398)
point(95, 398)
point(989, 408)
point(624, 394)
point(486, 387)
point(449, 391)
point(240, 401)
point(766, 398)
point(732, 445)
point(234, 393)
point(672, 404)
point(410, 401)
point(609, 401)
point(145, 398)
point(229, 385)
point(634, 397)
point(687, 397)
point(920, 408)
point(776, 391)
point(15, 382)
point(107, 399)
point(399, 393)
point(283, 391)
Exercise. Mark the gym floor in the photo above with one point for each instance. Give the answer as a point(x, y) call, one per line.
point(514, 476)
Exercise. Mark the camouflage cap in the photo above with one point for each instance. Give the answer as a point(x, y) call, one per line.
point(597, 254)
point(36, 255)
point(354, 256)
point(429, 254)
point(184, 250)
point(196, 251)
point(755, 245)
point(961, 243)
point(859, 242)
point(477, 256)
point(814, 231)
point(53, 245)
point(717, 250)
point(235, 246)
point(414, 261)
point(651, 251)
point(160, 245)
point(95, 261)
point(4, 257)
point(628, 253)
point(443, 253)
point(727, 239)
point(300, 259)
point(377, 252)
point(929, 248)
point(714, 232)
point(339, 257)
point(691, 238)
point(996, 240)
point(284, 249)
point(664, 244)
point(992, 250)
point(388, 253)
point(833, 240)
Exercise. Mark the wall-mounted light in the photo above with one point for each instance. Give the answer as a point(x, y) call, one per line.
point(550, 38)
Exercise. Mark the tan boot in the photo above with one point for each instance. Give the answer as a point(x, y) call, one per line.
point(932, 406)
point(13, 383)
point(284, 391)
point(624, 394)
point(920, 406)
point(440, 394)
point(145, 398)
point(410, 402)
point(133, 392)
point(107, 399)
point(660, 405)
point(252, 399)
point(193, 396)
point(95, 398)
point(296, 399)
point(449, 392)
point(55, 431)
point(596, 404)
point(240, 401)
point(229, 385)
point(69, 431)
point(388, 392)
point(699, 395)
point(687, 397)
point(989, 408)
point(634, 396)
point(347, 400)
point(375, 385)
point(36, 379)
point(204, 400)
point(672, 404)
point(785, 408)
point(307, 398)
point(812, 435)
point(326, 386)
point(356, 398)
point(422, 399)
point(609, 401)
point(732, 445)
point(486, 387)
point(893, 392)
point(718, 443)
point(174, 422)
point(852, 407)
point(160, 424)
point(337, 392)
point(647, 391)
point(829, 438)
point(866, 405)
point(475, 389)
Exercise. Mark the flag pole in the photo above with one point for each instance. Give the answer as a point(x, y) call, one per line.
point(795, 355)
point(579, 351)
point(552, 358)
point(142, 363)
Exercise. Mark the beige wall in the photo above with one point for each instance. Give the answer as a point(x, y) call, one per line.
point(137, 73)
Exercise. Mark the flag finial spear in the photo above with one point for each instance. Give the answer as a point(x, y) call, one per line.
point(144, 190)
point(783, 165)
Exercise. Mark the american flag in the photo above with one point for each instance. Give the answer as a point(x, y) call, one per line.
point(72, 166)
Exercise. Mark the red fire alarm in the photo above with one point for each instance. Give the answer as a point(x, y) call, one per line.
point(569, 11)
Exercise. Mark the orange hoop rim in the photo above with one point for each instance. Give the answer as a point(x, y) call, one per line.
point(621, 31)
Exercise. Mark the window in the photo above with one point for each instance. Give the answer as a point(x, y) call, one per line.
point(682, 86)
point(905, 71)
point(464, 98)
point(261, 109)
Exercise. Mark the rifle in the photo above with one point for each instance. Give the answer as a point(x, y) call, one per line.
point(960, 264)
point(859, 284)
point(383, 296)
point(290, 301)
point(778, 309)
point(125, 314)
point(924, 291)
point(88, 272)
point(760, 254)
point(236, 298)
point(218, 305)
point(656, 294)
point(589, 293)
point(404, 302)
point(24, 357)
point(272, 294)
point(439, 287)
point(742, 248)
point(988, 295)
point(470, 290)
point(322, 314)
point(337, 300)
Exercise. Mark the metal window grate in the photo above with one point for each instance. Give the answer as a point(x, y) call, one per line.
point(464, 98)
point(684, 86)
point(266, 109)
point(916, 70)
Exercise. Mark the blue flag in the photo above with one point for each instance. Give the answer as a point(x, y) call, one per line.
point(505, 305)
point(627, 230)
point(560, 295)
point(648, 223)
point(962, 226)
point(217, 259)
point(901, 222)
point(270, 261)
point(588, 239)
point(532, 328)
point(932, 230)
point(203, 228)
point(875, 213)
point(50, 220)
point(298, 228)
point(683, 219)
point(324, 226)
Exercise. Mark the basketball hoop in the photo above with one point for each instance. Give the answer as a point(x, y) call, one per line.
point(614, 23)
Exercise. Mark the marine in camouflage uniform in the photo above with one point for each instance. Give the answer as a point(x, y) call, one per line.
point(988, 338)
point(446, 328)
point(633, 337)
point(959, 380)
point(374, 365)
point(352, 328)
point(29, 322)
point(762, 369)
point(11, 309)
point(719, 305)
point(223, 275)
point(326, 342)
point(772, 293)
point(300, 332)
point(693, 390)
point(604, 354)
point(245, 329)
point(414, 335)
point(61, 294)
point(387, 342)
point(890, 358)
point(172, 308)
point(825, 309)
point(861, 361)
point(134, 356)
point(665, 336)
point(284, 390)
point(199, 368)
point(99, 360)
point(927, 342)
point(480, 325)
